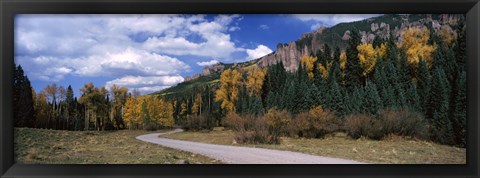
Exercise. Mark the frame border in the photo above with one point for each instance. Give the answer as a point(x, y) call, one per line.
point(8, 9)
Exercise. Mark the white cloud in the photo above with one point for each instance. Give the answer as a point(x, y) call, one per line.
point(258, 52)
point(315, 26)
point(207, 63)
point(264, 27)
point(51, 47)
point(333, 19)
point(146, 84)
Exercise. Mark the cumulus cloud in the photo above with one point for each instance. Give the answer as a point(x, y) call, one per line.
point(51, 47)
point(207, 63)
point(258, 52)
point(264, 27)
point(146, 84)
point(332, 19)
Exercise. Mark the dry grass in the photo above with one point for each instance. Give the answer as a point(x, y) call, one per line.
point(39, 146)
point(392, 150)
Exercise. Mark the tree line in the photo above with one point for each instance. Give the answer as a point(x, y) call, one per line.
point(100, 109)
point(423, 72)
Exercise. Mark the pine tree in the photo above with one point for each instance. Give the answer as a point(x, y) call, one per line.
point(335, 99)
point(353, 70)
point(413, 98)
point(442, 130)
point(372, 99)
point(70, 105)
point(423, 85)
point(23, 110)
point(460, 110)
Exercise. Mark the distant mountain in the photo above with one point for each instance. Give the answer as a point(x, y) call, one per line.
point(309, 43)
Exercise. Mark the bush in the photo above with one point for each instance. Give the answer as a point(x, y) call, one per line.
point(403, 123)
point(238, 123)
point(324, 122)
point(277, 122)
point(197, 123)
point(317, 123)
point(358, 125)
point(388, 122)
point(258, 134)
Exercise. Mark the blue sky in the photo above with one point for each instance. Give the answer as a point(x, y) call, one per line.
point(149, 52)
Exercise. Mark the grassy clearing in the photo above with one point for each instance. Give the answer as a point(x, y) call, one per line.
point(393, 150)
point(34, 146)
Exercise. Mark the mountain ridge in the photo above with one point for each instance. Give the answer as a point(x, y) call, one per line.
point(335, 36)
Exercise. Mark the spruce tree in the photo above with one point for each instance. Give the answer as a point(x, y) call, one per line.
point(353, 70)
point(23, 111)
point(442, 130)
point(460, 110)
point(413, 98)
point(335, 99)
point(423, 85)
point(372, 99)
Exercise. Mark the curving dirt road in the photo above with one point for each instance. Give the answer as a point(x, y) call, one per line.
point(241, 155)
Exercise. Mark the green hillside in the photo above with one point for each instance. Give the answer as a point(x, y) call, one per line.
point(331, 36)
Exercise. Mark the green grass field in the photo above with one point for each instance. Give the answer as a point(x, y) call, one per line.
point(39, 146)
point(394, 150)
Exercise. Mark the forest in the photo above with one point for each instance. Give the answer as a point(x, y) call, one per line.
point(413, 86)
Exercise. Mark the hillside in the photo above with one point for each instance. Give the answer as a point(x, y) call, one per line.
point(309, 43)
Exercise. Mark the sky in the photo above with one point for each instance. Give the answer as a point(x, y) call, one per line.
point(149, 52)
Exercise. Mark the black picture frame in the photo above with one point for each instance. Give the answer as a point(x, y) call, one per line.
point(8, 9)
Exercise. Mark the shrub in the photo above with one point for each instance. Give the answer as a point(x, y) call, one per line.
point(358, 125)
point(317, 123)
point(239, 123)
point(277, 122)
point(234, 122)
point(403, 123)
point(300, 125)
point(256, 132)
point(324, 122)
point(197, 123)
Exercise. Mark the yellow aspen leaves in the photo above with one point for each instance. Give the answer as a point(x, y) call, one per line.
point(324, 69)
point(227, 94)
point(309, 62)
point(368, 55)
point(414, 41)
point(255, 80)
point(343, 60)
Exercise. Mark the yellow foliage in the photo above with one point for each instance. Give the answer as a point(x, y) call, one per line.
point(414, 41)
point(255, 81)
point(343, 60)
point(159, 110)
point(368, 55)
point(324, 69)
point(230, 83)
point(381, 51)
point(447, 35)
point(197, 104)
point(309, 62)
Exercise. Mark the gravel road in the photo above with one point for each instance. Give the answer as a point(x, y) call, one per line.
point(241, 155)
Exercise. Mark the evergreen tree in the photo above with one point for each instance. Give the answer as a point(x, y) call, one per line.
point(335, 99)
point(23, 110)
point(70, 105)
point(353, 70)
point(336, 55)
point(461, 43)
point(460, 110)
point(413, 98)
point(372, 99)
point(255, 106)
point(145, 115)
point(423, 85)
point(441, 125)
